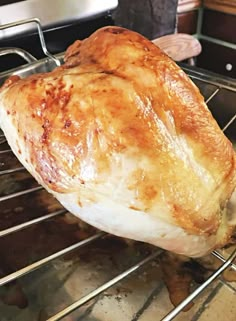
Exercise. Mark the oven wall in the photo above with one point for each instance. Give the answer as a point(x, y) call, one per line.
point(213, 22)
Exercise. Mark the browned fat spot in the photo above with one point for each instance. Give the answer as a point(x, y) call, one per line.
point(80, 203)
point(19, 151)
point(93, 60)
point(193, 222)
point(115, 31)
point(34, 81)
point(107, 72)
point(71, 61)
point(8, 112)
point(46, 124)
point(10, 81)
point(63, 98)
point(146, 49)
point(43, 104)
point(77, 53)
point(67, 123)
point(61, 85)
point(150, 192)
point(46, 127)
point(134, 208)
point(207, 226)
point(44, 137)
point(51, 91)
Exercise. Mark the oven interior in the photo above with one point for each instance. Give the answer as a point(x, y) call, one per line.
point(53, 266)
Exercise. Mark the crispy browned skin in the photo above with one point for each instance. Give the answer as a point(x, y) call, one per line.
point(117, 90)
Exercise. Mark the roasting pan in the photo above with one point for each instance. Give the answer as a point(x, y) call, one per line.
point(54, 266)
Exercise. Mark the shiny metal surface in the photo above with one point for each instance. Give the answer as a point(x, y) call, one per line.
point(38, 264)
point(29, 223)
point(27, 191)
point(17, 51)
point(5, 151)
point(200, 289)
point(2, 140)
point(104, 287)
point(51, 13)
point(221, 258)
point(43, 65)
point(212, 95)
point(10, 171)
point(229, 123)
point(36, 21)
point(209, 78)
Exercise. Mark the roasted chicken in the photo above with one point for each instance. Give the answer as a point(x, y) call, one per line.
point(123, 139)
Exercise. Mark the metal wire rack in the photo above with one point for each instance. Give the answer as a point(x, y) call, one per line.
point(226, 262)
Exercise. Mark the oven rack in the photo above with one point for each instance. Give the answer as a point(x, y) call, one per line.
point(226, 261)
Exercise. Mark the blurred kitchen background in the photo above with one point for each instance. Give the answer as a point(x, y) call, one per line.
point(212, 22)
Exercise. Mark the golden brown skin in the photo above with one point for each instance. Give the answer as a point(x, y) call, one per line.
point(120, 94)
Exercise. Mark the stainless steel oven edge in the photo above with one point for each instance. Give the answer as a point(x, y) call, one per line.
point(51, 13)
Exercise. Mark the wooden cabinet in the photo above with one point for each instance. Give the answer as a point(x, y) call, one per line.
point(187, 22)
point(227, 6)
point(187, 16)
point(188, 5)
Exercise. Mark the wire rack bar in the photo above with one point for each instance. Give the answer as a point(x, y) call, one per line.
point(15, 275)
point(5, 151)
point(212, 95)
point(229, 123)
point(3, 141)
point(104, 287)
point(27, 191)
point(37, 220)
point(210, 98)
point(40, 33)
point(221, 258)
point(209, 80)
point(200, 289)
point(11, 171)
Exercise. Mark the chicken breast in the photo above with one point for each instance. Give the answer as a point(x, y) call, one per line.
point(123, 139)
